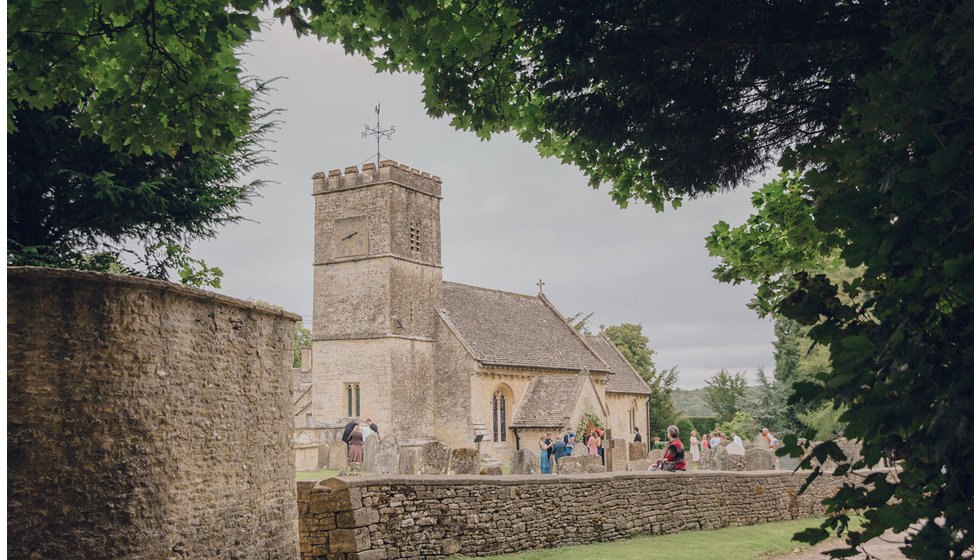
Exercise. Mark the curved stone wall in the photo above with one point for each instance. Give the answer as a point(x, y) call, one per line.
point(146, 420)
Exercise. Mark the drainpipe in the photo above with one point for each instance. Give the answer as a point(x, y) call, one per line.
point(517, 438)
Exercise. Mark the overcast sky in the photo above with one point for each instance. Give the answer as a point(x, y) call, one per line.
point(509, 217)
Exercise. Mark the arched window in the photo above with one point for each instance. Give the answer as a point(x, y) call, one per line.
point(499, 416)
point(632, 417)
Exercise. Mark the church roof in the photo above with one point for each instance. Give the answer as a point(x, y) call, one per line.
point(548, 401)
point(624, 378)
point(512, 330)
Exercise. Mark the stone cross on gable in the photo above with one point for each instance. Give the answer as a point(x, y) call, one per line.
point(540, 286)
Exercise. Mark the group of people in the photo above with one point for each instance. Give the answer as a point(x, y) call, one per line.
point(552, 450)
point(354, 436)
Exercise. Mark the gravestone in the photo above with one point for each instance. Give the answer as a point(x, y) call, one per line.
point(655, 455)
point(735, 449)
point(337, 455)
point(323, 456)
point(525, 461)
point(787, 463)
point(760, 441)
point(406, 461)
point(638, 450)
point(719, 458)
point(491, 470)
point(370, 450)
point(735, 462)
point(386, 460)
point(757, 459)
point(580, 450)
point(569, 465)
point(618, 453)
point(464, 461)
point(640, 465)
point(590, 463)
point(433, 458)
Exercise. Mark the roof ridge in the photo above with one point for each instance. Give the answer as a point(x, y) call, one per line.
point(489, 289)
point(578, 335)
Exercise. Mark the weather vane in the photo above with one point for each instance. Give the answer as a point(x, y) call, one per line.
point(378, 132)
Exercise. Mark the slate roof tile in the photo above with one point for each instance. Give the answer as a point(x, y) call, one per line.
point(514, 330)
point(548, 400)
point(624, 379)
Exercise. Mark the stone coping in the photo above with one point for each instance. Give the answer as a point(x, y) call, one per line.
point(143, 283)
point(342, 482)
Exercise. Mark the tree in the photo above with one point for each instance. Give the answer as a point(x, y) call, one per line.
point(71, 194)
point(630, 341)
point(767, 403)
point(663, 411)
point(303, 339)
point(723, 392)
point(146, 77)
point(580, 322)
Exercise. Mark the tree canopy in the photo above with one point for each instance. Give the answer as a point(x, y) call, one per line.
point(128, 124)
point(724, 391)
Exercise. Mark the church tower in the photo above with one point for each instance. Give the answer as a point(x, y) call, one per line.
point(377, 280)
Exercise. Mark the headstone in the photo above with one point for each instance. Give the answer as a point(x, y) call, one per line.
point(569, 465)
point(719, 458)
point(735, 462)
point(735, 449)
point(386, 460)
point(406, 461)
point(725, 443)
point(580, 450)
point(638, 450)
point(640, 465)
point(370, 450)
point(525, 461)
point(491, 470)
point(591, 462)
point(787, 463)
point(338, 455)
point(618, 453)
point(433, 458)
point(760, 441)
point(655, 455)
point(463, 460)
point(757, 459)
point(323, 456)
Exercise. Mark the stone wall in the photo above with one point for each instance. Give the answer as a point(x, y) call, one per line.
point(146, 420)
point(384, 518)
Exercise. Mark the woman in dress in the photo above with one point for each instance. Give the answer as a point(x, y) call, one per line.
point(545, 463)
point(695, 447)
point(593, 443)
point(356, 439)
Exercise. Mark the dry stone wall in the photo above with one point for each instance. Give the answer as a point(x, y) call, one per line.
point(146, 420)
point(386, 518)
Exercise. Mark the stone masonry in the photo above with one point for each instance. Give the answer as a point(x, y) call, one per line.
point(386, 518)
point(146, 420)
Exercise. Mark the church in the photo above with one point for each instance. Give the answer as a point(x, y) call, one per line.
point(428, 359)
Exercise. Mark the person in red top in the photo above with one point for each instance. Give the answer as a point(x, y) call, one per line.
point(674, 455)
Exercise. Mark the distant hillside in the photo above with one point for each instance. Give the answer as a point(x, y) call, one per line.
point(691, 401)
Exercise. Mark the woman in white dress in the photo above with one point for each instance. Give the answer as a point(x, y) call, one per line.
point(695, 448)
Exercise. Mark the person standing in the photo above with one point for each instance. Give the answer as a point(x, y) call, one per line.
point(594, 443)
point(569, 440)
point(704, 442)
point(636, 434)
point(602, 449)
point(347, 432)
point(771, 439)
point(545, 452)
point(354, 451)
point(737, 439)
point(695, 451)
point(558, 451)
point(715, 440)
point(373, 426)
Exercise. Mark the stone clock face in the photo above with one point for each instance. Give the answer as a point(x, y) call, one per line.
point(351, 236)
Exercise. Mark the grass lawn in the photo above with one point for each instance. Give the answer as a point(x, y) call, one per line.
point(316, 475)
point(733, 543)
